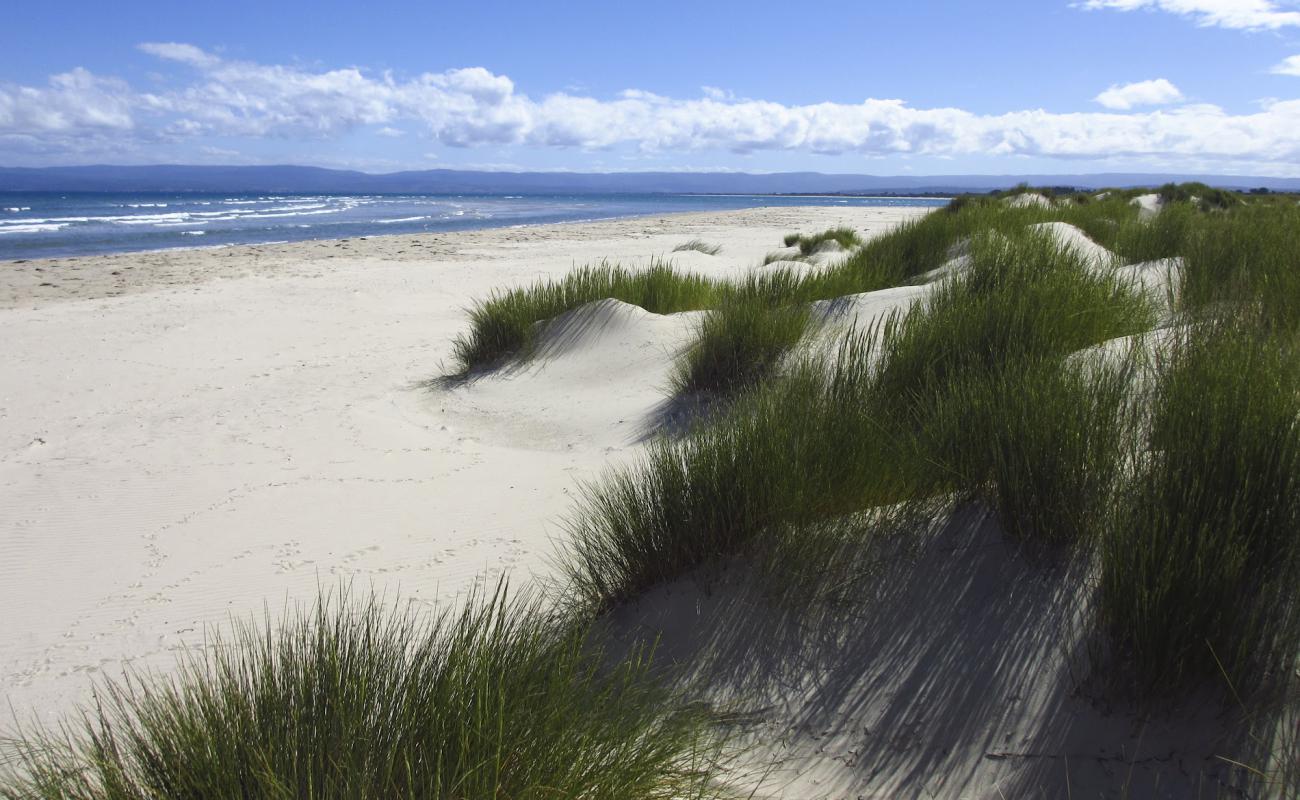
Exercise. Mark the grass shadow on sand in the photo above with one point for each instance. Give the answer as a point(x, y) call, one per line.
point(955, 664)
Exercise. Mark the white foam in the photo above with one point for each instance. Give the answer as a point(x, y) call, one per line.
point(16, 209)
point(193, 233)
point(146, 219)
point(401, 219)
point(36, 221)
point(293, 214)
point(44, 228)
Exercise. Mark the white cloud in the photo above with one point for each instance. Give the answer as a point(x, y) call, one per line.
point(1158, 92)
point(72, 101)
point(224, 99)
point(184, 53)
point(1289, 66)
point(1239, 14)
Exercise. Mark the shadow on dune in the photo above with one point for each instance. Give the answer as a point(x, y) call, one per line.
point(957, 670)
point(677, 416)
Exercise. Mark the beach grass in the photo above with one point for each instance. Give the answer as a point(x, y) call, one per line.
point(504, 325)
point(1199, 565)
point(738, 344)
point(773, 256)
point(1250, 257)
point(879, 422)
point(809, 244)
point(699, 246)
point(360, 699)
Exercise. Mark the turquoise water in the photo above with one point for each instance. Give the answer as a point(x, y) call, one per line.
point(49, 225)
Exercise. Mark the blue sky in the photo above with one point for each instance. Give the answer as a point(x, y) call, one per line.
point(875, 86)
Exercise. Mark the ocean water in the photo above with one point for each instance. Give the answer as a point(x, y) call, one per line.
point(49, 224)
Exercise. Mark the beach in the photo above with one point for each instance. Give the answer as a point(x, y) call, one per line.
point(193, 436)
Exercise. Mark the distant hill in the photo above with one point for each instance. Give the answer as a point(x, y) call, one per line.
point(294, 179)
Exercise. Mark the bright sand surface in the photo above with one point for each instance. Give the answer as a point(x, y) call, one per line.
point(190, 435)
point(194, 435)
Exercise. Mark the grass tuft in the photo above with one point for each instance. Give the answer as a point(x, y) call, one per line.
point(504, 325)
point(359, 700)
point(809, 244)
point(879, 423)
point(738, 344)
point(1200, 560)
point(699, 246)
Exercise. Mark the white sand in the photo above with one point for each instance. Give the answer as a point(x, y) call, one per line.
point(1093, 255)
point(1148, 205)
point(1028, 200)
point(189, 435)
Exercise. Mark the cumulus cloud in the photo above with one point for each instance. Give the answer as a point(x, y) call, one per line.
point(1158, 92)
point(1239, 14)
point(474, 107)
point(71, 101)
point(1289, 66)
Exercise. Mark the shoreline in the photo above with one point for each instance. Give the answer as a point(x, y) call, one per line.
point(115, 241)
point(34, 283)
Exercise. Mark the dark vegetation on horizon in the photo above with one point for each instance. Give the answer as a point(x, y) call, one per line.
point(1027, 381)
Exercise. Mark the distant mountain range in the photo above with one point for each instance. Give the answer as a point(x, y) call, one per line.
point(294, 179)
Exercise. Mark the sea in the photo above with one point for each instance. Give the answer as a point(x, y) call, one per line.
point(65, 224)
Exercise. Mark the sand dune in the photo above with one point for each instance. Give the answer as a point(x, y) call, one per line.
point(1028, 200)
point(1148, 205)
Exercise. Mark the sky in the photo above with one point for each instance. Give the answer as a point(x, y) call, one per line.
point(886, 87)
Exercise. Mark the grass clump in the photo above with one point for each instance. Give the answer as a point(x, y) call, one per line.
point(739, 343)
point(1023, 298)
point(880, 422)
point(844, 238)
point(1249, 257)
point(1040, 443)
point(504, 325)
point(774, 256)
point(699, 246)
point(1205, 197)
point(783, 459)
point(980, 383)
point(355, 700)
point(1199, 565)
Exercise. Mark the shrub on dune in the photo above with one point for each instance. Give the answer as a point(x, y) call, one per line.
point(1023, 298)
point(792, 454)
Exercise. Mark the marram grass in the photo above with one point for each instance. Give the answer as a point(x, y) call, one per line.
point(881, 422)
point(699, 246)
point(739, 344)
point(505, 325)
point(1200, 561)
point(360, 700)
